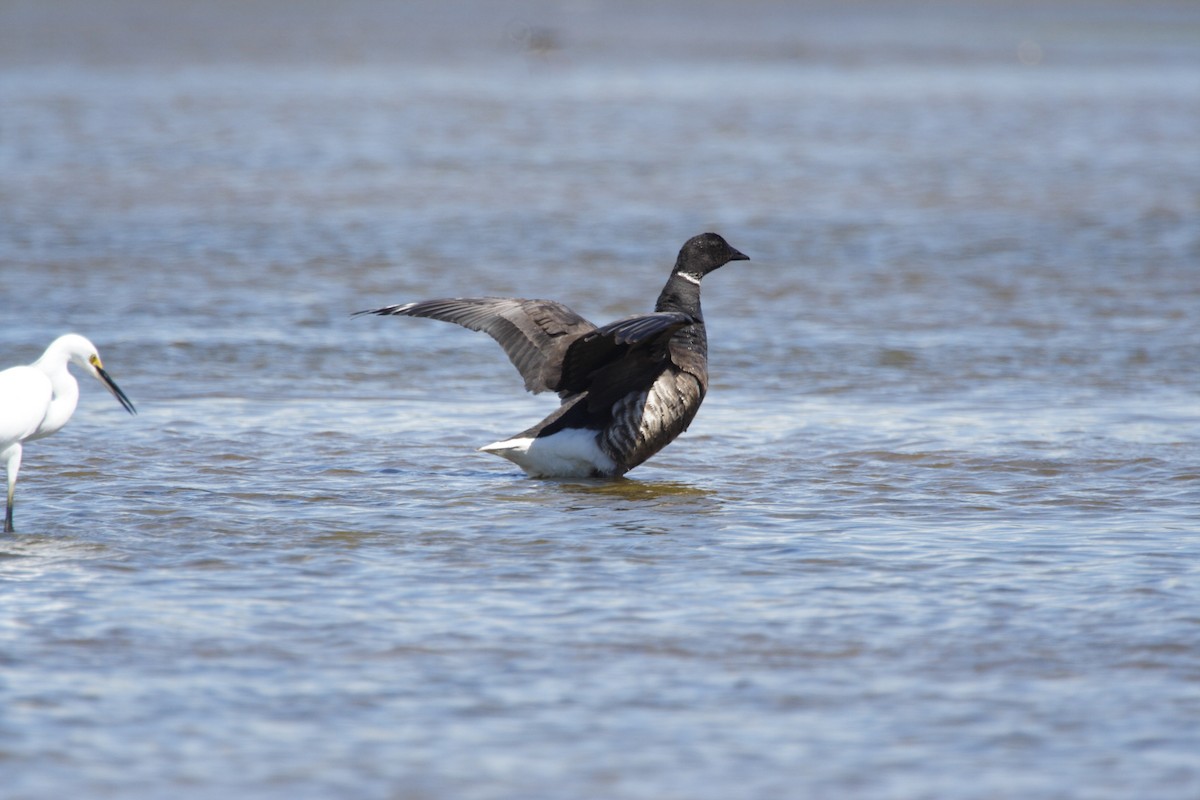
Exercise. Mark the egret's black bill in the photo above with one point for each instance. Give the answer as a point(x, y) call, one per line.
point(116, 390)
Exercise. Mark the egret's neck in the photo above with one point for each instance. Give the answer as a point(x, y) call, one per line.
point(62, 404)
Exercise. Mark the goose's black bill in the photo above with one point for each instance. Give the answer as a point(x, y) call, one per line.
point(116, 390)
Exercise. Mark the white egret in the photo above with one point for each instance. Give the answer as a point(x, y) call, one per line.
point(38, 399)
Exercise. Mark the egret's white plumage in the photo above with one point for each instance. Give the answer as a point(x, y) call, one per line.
point(38, 399)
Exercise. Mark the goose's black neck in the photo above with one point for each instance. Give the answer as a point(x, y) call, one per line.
point(682, 294)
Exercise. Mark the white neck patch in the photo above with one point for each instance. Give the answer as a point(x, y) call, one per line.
point(689, 277)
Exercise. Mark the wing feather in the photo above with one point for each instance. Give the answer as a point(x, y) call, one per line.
point(599, 361)
point(534, 333)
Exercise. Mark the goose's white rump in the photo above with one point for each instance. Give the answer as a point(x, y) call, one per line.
point(570, 453)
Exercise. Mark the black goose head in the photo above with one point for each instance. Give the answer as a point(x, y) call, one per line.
point(702, 254)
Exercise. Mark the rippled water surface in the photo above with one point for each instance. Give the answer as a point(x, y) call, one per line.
point(935, 532)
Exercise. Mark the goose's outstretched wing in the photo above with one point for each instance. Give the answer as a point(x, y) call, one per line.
point(535, 334)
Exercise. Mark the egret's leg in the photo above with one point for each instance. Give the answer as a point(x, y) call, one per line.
point(12, 467)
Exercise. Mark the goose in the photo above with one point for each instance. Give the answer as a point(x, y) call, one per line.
point(627, 388)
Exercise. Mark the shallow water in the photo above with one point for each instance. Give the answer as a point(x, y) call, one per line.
point(933, 534)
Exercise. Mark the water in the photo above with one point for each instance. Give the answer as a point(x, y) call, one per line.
point(933, 533)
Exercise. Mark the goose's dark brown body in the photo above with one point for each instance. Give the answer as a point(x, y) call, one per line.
point(645, 422)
